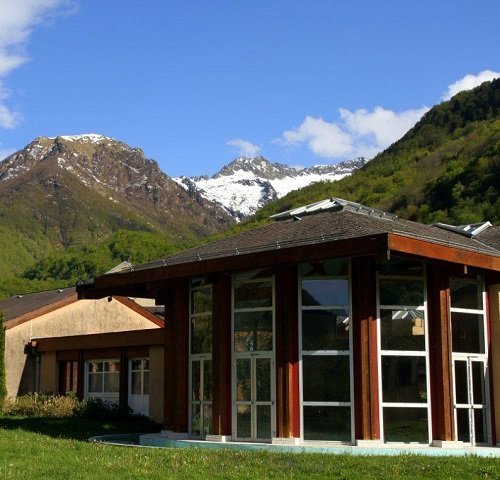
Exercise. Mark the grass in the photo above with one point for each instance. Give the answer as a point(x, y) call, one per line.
point(56, 448)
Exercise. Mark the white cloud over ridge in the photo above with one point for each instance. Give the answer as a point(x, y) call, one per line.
point(469, 82)
point(18, 18)
point(244, 147)
point(361, 133)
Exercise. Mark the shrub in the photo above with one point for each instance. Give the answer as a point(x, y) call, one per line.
point(100, 409)
point(41, 405)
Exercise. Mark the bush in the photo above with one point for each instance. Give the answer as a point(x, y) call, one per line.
point(100, 409)
point(41, 405)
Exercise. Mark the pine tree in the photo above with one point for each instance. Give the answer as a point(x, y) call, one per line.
point(3, 385)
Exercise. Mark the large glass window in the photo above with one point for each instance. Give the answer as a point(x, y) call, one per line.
point(201, 358)
point(325, 346)
point(253, 355)
point(403, 352)
point(470, 360)
point(103, 379)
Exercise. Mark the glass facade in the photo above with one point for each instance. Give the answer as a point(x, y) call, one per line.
point(403, 352)
point(325, 351)
point(200, 358)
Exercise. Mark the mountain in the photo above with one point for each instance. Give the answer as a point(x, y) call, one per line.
point(248, 183)
point(445, 169)
point(72, 191)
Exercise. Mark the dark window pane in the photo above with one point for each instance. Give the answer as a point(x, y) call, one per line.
point(146, 363)
point(331, 268)
point(325, 330)
point(243, 379)
point(327, 423)
point(112, 382)
point(325, 292)
point(402, 266)
point(467, 332)
point(207, 380)
point(463, 425)
point(136, 383)
point(253, 295)
point(406, 425)
point(253, 331)
point(95, 367)
point(136, 364)
point(201, 301)
point(480, 426)
point(402, 330)
point(243, 421)
point(461, 385)
point(95, 382)
point(401, 292)
point(263, 380)
point(201, 334)
point(207, 419)
point(263, 422)
point(195, 380)
point(465, 294)
point(146, 383)
point(404, 379)
point(196, 420)
point(326, 378)
point(478, 383)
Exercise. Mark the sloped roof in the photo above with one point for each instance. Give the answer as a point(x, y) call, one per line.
point(19, 305)
point(342, 221)
point(490, 237)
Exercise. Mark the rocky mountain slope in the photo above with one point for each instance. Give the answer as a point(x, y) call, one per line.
point(64, 191)
point(248, 183)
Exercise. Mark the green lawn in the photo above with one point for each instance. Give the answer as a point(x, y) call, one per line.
point(33, 448)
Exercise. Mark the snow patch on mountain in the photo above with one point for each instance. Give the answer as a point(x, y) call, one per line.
point(248, 183)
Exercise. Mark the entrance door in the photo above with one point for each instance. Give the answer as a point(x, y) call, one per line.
point(254, 405)
point(471, 405)
point(138, 394)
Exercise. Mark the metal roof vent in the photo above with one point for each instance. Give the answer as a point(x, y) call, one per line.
point(470, 230)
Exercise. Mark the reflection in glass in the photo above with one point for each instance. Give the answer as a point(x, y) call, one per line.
point(243, 421)
point(112, 382)
point(401, 292)
point(207, 380)
point(406, 425)
point(253, 295)
point(325, 292)
point(195, 420)
point(467, 332)
point(201, 301)
point(327, 423)
point(465, 294)
point(253, 331)
point(325, 330)
point(263, 379)
point(201, 334)
point(195, 379)
point(243, 379)
point(402, 330)
point(207, 419)
point(404, 379)
point(263, 422)
point(326, 378)
point(330, 268)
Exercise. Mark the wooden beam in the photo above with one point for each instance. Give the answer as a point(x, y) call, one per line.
point(287, 353)
point(365, 350)
point(449, 253)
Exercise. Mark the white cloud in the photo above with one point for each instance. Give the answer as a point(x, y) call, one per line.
point(469, 82)
point(244, 147)
point(359, 133)
point(18, 18)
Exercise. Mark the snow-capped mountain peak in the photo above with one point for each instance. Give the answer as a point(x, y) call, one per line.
point(248, 183)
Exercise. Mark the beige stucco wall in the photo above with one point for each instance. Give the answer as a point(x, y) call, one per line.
point(156, 374)
point(79, 318)
point(494, 295)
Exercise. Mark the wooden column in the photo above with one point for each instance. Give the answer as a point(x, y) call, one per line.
point(221, 355)
point(80, 383)
point(439, 335)
point(364, 324)
point(123, 397)
point(176, 366)
point(287, 353)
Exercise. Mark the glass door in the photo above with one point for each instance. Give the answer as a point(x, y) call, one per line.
point(138, 394)
point(471, 406)
point(253, 357)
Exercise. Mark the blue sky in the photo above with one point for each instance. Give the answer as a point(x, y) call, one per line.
point(196, 83)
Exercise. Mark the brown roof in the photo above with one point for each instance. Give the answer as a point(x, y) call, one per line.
point(19, 305)
point(491, 237)
point(318, 228)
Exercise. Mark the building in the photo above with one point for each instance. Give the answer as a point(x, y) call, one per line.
point(336, 322)
point(58, 343)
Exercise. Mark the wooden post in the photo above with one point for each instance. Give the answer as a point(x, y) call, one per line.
point(221, 355)
point(287, 353)
point(365, 353)
point(441, 380)
point(123, 396)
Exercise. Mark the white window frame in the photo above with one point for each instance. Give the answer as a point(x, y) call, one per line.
point(144, 397)
point(253, 356)
point(303, 353)
point(113, 397)
point(200, 358)
point(404, 353)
